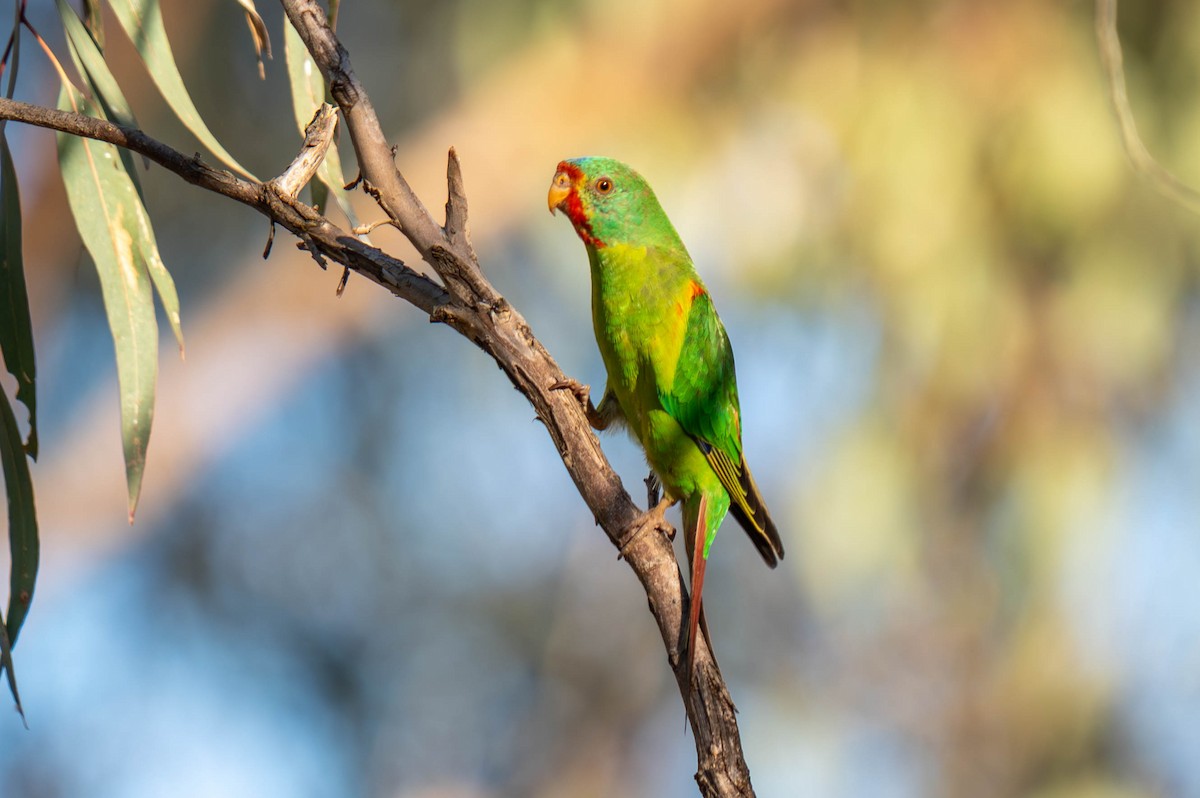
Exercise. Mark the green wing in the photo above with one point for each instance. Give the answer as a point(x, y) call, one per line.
point(703, 398)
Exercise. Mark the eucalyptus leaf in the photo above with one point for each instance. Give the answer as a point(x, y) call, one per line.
point(143, 24)
point(22, 521)
point(258, 30)
point(164, 284)
point(16, 345)
point(22, 540)
point(93, 18)
point(89, 58)
point(308, 93)
point(16, 327)
point(110, 218)
point(89, 61)
point(6, 667)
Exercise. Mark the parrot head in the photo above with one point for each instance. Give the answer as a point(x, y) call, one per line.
point(608, 203)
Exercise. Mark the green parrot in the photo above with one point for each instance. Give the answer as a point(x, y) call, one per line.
point(670, 368)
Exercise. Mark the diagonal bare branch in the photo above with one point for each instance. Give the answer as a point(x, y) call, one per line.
point(479, 312)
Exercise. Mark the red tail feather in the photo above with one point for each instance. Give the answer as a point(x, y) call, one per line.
point(699, 561)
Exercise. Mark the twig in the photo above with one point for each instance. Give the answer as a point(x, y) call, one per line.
point(318, 135)
point(332, 241)
point(456, 230)
point(1143, 162)
point(364, 229)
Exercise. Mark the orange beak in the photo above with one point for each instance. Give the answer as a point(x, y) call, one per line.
point(560, 189)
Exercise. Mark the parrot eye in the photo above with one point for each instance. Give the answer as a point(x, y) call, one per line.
point(604, 186)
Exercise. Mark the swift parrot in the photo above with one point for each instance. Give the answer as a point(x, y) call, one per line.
point(671, 378)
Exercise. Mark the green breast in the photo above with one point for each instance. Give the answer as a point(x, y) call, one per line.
point(640, 299)
point(639, 314)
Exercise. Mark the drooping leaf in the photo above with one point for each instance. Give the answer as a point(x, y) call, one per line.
point(164, 284)
point(16, 328)
point(22, 521)
point(22, 539)
point(6, 667)
point(142, 22)
point(93, 18)
point(110, 218)
point(89, 61)
point(308, 93)
point(258, 31)
point(16, 345)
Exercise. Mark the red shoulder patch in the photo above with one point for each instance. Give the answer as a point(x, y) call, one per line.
point(693, 290)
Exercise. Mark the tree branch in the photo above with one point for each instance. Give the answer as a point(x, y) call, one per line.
point(472, 306)
point(318, 136)
point(482, 315)
point(270, 199)
point(1145, 164)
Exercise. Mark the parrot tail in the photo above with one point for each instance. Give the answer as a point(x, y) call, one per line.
point(757, 522)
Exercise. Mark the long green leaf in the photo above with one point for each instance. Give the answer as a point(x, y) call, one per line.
point(90, 61)
point(88, 56)
point(22, 539)
point(93, 18)
point(142, 22)
point(6, 667)
point(109, 216)
point(16, 328)
point(16, 345)
point(308, 93)
point(22, 521)
point(147, 254)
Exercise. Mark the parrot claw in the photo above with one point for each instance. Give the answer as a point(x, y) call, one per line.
point(582, 392)
point(584, 395)
point(653, 491)
point(652, 519)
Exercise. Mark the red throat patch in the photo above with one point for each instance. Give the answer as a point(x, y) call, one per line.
point(573, 206)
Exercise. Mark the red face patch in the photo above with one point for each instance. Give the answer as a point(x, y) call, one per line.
point(573, 205)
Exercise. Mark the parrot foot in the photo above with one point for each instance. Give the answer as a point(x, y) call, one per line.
point(652, 519)
point(582, 392)
point(653, 489)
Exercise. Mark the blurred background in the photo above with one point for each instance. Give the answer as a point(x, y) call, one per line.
point(968, 341)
